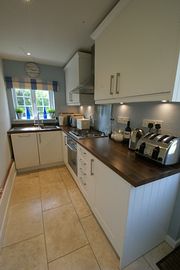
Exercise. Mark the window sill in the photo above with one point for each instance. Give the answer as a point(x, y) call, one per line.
point(31, 121)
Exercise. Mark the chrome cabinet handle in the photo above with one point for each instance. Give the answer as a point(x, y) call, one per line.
point(111, 84)
point(65, 140)
point(117, 82)
point(92, 161)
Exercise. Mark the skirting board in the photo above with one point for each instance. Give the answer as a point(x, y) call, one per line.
point(172, 242)
point(4, 201)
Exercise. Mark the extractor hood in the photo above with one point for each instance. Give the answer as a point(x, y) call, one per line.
point(85, 88)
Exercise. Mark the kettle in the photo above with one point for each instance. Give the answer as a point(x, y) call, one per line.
point(136, 134)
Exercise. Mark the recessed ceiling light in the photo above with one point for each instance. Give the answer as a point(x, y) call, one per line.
point(28, 54)
point(27, 1)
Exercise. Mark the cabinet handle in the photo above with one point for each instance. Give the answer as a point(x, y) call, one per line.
point(65, 140)
point(39, 138)
point(92, 161)
point(117, 82)
point(111, 84)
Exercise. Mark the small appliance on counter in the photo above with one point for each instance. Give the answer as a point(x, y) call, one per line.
point(83, 123)
point(136, 134)
point(64, 119)
point(164, 149)
point(73, 119)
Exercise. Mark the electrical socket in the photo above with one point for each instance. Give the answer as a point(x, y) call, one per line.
point(153, 121)
point(122, 120)
point(147, 121)
point(159, 122)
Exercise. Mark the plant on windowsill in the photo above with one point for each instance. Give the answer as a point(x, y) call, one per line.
point(51, 113)
point(19, 113)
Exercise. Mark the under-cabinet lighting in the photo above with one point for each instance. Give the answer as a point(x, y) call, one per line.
point(121, 103)
point(28, 54)
point(164, 100)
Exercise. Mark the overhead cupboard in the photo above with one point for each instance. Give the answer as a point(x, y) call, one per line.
point(137, 52)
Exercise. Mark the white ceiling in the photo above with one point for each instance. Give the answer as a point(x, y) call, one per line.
point(52, 30)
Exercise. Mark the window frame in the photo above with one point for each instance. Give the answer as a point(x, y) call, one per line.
point(33, 101)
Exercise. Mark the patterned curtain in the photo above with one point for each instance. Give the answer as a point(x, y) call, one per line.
point(32, 84)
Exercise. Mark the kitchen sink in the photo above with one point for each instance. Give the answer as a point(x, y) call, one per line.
point(35, 128)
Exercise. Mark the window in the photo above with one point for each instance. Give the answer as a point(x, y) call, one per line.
point(35, 100)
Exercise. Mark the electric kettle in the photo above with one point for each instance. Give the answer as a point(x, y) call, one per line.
point(136, 134)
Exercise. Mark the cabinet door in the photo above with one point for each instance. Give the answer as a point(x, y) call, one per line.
point(25, 150)
point(50, 147)
point(144, 51)
point(111, 203)
point(85, 175)
point(107, 80)
point(64, 146)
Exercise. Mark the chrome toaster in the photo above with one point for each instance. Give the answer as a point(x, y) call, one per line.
point(164, 149)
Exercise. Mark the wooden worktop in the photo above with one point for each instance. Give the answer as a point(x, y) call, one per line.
point(134, 169)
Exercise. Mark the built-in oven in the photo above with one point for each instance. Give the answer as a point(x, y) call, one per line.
point(72, 153)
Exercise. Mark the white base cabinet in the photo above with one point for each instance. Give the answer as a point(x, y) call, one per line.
point(135, 220)
point(86, 180)
point(64, 147)
point(25, 149)
point(36, 150)
point(50, 147)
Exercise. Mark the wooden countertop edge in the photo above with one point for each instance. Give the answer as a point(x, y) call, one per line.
point(172, 170)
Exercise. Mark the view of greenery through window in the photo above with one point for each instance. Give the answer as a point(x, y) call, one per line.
point(35, 100)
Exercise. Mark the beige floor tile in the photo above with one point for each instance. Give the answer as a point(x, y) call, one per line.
point(139, 264)
point(82, 259)
point(26, 188)
point(21, 176)
point(63, 231)
point(49, 176)
point(157, 254)
point(62, 169)
point(24, 221)
point(54, 195)
point(68, 180)
point(79, 203)
point(27, 255)
point(103, 251)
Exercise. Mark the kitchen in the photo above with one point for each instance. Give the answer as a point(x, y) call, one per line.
point(137, 106)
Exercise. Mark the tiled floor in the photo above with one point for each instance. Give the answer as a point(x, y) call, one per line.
point(50, 226)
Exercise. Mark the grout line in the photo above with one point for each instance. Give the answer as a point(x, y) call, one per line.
point(18, 242)
point(71, 252)
point(91, 246)
point(59, 206)
point(45, 244)
point(82, 225)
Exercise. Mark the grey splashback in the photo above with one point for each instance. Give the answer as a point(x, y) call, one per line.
point(167, 112)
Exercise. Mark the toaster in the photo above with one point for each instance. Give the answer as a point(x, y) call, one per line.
point(164, 149)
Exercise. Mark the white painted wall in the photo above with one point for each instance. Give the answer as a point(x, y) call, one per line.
point(5, 155)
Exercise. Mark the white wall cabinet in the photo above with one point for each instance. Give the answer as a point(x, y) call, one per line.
point(64, 146)
point(25, 150)
point(50, 147)
point(77, 73)
point(36, 150)
point(144, 52)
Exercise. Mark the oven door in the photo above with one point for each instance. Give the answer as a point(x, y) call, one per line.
point(72, 154)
